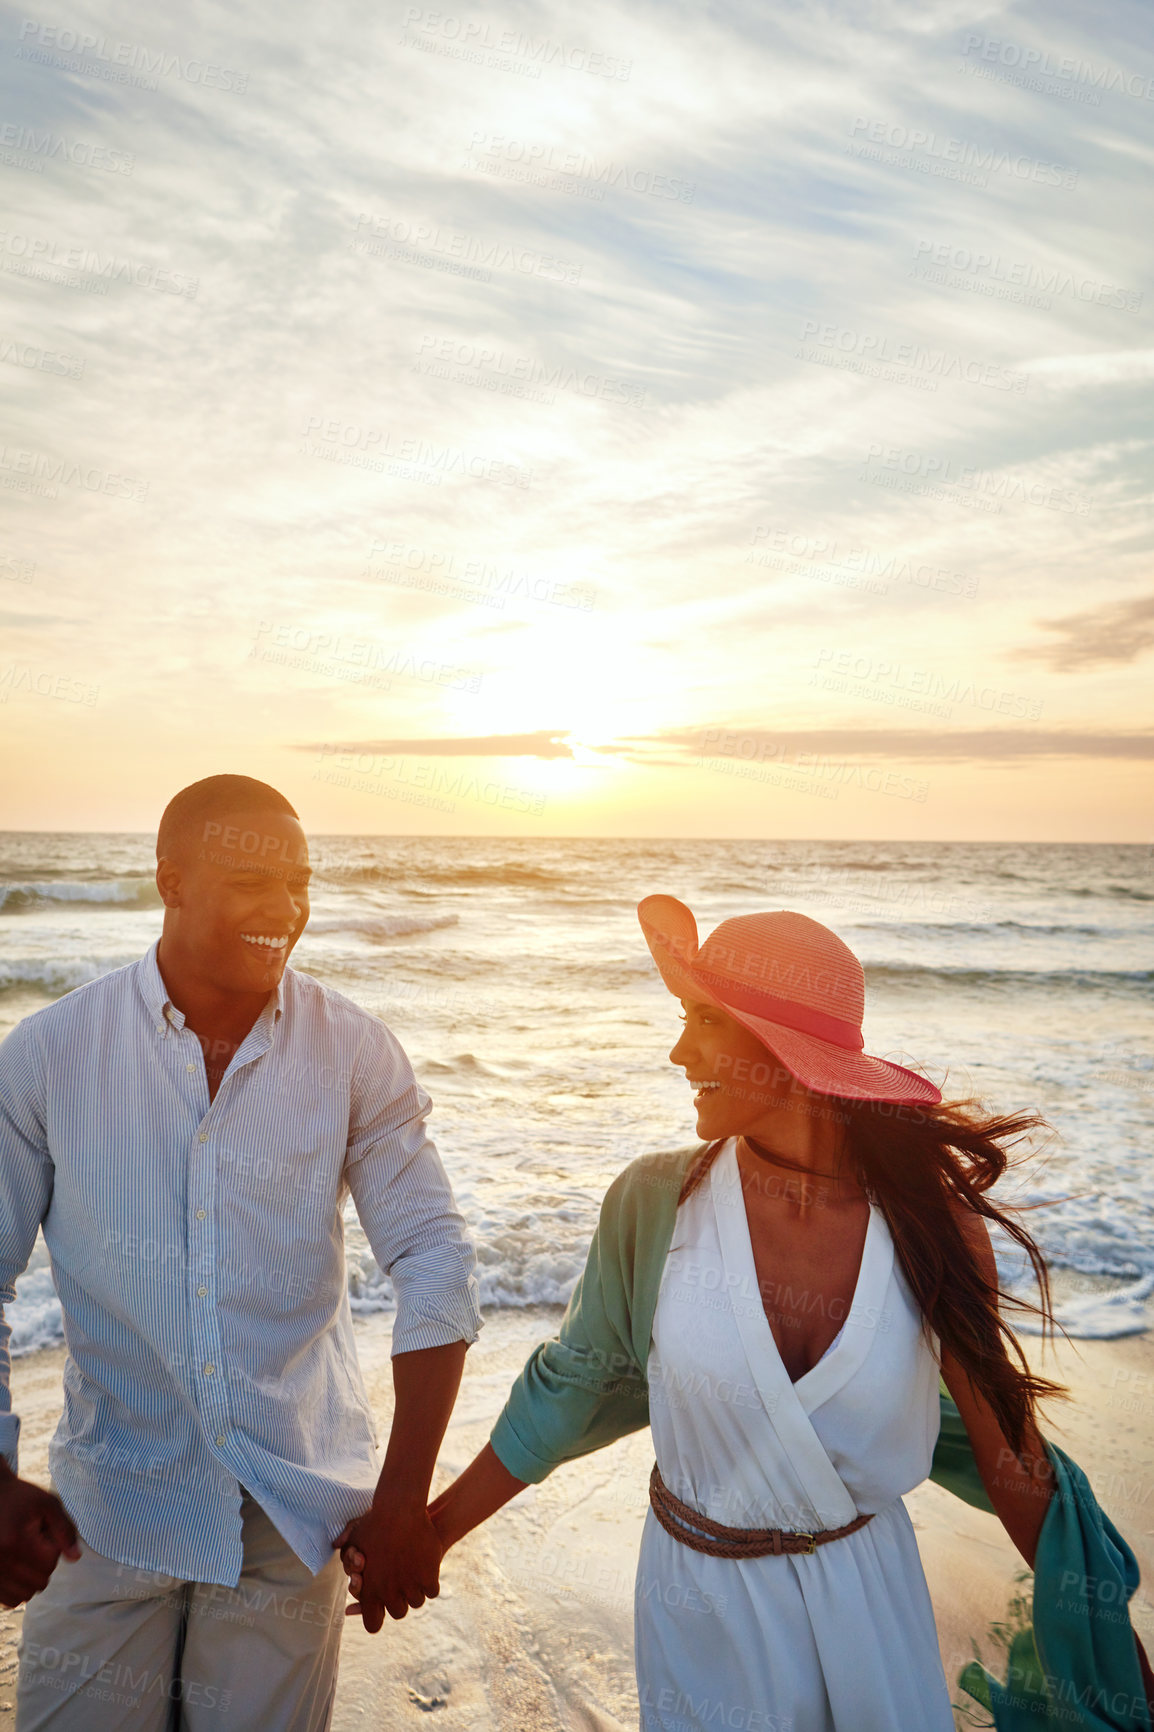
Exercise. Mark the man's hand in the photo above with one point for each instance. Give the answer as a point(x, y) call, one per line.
point(35, 1530)
point(398, 1551)
point(393, 1559)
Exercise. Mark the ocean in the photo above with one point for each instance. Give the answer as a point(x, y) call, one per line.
point(516, 977)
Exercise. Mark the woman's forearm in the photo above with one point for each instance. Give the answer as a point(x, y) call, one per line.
point(1019, 1487)
point(473, 1497)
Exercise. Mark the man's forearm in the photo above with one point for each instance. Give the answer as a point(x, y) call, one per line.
point(425, 1385)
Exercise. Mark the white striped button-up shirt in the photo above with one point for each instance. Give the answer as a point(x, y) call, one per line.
point(198, 1251)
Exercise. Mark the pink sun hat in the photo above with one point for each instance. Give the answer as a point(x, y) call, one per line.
point(791, 982)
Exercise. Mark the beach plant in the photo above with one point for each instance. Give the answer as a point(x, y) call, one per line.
point(1014, 1635)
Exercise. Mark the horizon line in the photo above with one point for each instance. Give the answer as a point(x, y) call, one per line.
point(486, 836)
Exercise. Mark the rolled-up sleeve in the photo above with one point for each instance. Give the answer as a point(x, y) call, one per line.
point(25, 1192)
point(578, 1391)
point(405, 1203)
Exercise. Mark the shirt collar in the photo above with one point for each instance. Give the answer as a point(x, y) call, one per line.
point(164, 1013)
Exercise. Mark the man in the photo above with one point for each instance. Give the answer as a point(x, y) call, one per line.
point(185, 1129)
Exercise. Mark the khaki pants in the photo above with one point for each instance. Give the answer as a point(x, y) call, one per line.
point(109, 1648)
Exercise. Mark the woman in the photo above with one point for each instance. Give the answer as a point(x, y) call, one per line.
point(784, 1299)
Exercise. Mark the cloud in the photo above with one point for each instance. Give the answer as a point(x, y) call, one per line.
point(765, 745)
point(1077, 372)
point(694, 314)
point(548, 743)
point(13, 620)
point(1119, 632)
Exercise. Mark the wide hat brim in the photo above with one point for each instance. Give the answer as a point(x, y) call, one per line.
point(671, 933)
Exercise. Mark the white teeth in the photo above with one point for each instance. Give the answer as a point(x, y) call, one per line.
point(268, 943)
point(701, 1087)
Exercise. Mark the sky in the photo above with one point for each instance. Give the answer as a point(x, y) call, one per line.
point(647, 420)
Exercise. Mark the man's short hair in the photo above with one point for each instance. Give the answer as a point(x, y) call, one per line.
point(183, 819)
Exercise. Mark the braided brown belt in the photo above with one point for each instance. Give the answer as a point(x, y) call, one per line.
point(721, 1542)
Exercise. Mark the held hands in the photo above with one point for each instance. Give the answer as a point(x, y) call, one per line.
point(35, 1530)
point(392, 1557)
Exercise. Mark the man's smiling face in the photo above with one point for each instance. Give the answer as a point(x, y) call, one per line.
point(237, 900)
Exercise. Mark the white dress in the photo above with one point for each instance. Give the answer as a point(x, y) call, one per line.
point(840, 1640)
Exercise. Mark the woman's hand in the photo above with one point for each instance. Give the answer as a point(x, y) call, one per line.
point(353, 1562)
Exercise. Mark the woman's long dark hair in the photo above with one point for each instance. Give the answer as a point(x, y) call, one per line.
point(917, 1163)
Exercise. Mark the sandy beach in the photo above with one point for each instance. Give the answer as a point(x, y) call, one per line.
point(533, 1630)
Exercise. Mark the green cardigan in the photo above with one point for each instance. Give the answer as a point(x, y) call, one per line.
point(587, 1386)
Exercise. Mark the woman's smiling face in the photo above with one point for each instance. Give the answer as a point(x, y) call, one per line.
point(737, 1081)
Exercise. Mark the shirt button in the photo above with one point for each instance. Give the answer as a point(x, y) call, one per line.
point(201, 1291)
point(203, 1137)
point(160, 1028)
point(201, 1213)
point(220, 1443)
point(209, 1369)
point(190, 1067)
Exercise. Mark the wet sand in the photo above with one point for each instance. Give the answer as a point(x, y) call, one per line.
point(533, 1630)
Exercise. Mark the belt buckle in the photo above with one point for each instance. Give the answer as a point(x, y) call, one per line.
point(811, 1547)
